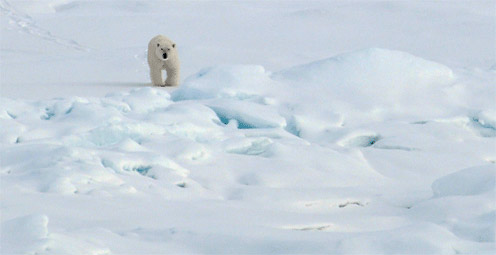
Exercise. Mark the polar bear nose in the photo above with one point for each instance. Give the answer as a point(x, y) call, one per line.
point(164, 55)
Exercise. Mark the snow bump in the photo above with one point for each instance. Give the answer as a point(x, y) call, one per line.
point(467, 182)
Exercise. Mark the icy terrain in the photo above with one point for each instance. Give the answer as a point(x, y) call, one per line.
point(345, 127)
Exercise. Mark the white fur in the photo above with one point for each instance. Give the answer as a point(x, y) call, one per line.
point(157, 46)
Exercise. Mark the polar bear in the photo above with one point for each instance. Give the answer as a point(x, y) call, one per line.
point(162, 54)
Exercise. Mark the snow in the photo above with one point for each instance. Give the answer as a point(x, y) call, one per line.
point(471, 181)
point(350, 127)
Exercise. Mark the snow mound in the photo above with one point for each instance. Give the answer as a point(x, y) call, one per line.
point(312, 99)
point(26, 229)
point(383, 84)
point(30, 235)
point(241, 82)
point(466, 182)
point(371, 70)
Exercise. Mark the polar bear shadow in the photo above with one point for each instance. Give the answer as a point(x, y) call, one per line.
point(118, 84)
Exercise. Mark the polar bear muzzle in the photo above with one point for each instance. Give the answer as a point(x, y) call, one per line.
point(164, 56)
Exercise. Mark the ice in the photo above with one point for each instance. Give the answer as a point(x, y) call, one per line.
point(360, 140)
point(246, 114)
point(299, 127)
point(250, 146)
point(485, 122)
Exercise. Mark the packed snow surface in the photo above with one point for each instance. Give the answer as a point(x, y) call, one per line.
point(335, 145)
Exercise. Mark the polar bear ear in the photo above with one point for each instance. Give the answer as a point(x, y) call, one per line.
point(173, 45)
point(158, 44)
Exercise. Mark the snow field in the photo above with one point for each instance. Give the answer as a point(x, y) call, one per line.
point(269, 145)
point(265, 162)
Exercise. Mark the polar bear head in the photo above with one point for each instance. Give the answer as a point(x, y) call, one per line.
point(163, 47)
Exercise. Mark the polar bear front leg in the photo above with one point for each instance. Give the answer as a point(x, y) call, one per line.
point(156, 76)
point(172, 77)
